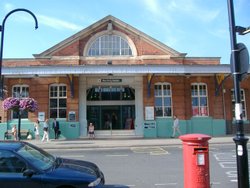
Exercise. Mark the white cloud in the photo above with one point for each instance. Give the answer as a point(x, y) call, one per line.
point(43, 20)
point(8, 7)
point(152, 6)
point(222, 33)
point(57, 23)
point(166, 10)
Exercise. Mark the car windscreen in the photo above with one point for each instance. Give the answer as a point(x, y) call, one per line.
point(38, 158)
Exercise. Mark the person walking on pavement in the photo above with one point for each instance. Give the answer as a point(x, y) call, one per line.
point(36, 129)
point(56, 128)
point(176, 127)
point(14, 132)
point(46, 130)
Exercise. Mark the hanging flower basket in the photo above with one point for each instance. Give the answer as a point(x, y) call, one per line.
point(25, 104)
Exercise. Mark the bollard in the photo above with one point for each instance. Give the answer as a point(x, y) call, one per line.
point(196, 160)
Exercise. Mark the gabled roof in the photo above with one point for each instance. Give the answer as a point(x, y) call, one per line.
point(122, 25)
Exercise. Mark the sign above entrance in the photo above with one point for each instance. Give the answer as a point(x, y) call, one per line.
point(111, 80)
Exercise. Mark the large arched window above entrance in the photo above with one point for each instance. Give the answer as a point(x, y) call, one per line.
point(106, 93)
point(105, 44)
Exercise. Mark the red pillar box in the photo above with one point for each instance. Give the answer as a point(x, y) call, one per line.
point(196, 160)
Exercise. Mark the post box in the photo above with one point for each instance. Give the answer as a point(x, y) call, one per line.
point(196, 160)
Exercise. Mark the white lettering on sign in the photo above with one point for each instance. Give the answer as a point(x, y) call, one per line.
point(111, 80)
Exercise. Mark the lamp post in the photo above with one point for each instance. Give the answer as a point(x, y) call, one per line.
point(20, 94)
point(2, 39)
point(239, 66)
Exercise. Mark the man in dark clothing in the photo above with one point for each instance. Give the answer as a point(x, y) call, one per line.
point(56, 128)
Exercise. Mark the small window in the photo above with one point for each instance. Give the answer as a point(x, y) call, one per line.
point(58, 101)
point(163, 100)
point(110, 93)
point(199, 99)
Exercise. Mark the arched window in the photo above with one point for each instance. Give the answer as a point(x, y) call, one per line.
point(110, 45)
point(199, 99)
point(20, 91)
point(163, 99)
point(57, 101)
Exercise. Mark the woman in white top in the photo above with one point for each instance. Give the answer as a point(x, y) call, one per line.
point(46, 130)
point(36, 129)
point(14, 132)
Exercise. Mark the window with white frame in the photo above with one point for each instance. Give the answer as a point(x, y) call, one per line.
point(199, 99)
point(163, 100)
point(243, 102)
point(20, 91)
point(109, 45)
point(58, 101)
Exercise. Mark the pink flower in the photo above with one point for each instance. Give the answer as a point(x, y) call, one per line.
point(27, 104)
point(11, 103)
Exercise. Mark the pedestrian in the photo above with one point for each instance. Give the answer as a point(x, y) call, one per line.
point(56, 128)
point(46, 130)
point(91, 131)
point(29, 136)
point(14, 132)
point(36, 129)
point(175, 126)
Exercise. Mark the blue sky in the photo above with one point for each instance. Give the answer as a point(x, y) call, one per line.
point(199, 28)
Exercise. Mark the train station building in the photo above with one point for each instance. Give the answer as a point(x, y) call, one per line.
point(126, 83)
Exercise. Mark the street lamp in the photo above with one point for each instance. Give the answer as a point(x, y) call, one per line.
point(19, 117)
point(239, 66)
point(2, 39)
point(242, 30)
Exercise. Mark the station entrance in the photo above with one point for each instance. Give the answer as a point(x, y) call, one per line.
point(112, 117)
point(111, 107)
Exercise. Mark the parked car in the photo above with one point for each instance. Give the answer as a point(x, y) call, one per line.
point(23, 165)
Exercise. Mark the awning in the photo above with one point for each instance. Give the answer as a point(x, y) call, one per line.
point(115, 69)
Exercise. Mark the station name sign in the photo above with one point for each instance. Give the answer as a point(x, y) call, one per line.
point(111, 80)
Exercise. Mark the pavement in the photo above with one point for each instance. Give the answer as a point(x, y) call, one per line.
point(85, 143)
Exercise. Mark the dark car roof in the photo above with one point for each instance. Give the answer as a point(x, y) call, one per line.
point(10, 145)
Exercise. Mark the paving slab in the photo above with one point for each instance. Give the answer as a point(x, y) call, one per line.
point(85, 143)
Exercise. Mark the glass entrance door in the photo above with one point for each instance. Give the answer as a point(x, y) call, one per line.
point(110, 117)
point(113, 117)
point(118, 116)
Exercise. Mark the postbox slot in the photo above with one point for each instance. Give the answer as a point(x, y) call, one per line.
point(201, 150)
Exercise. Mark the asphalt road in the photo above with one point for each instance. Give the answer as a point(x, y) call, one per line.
point(154, 166)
